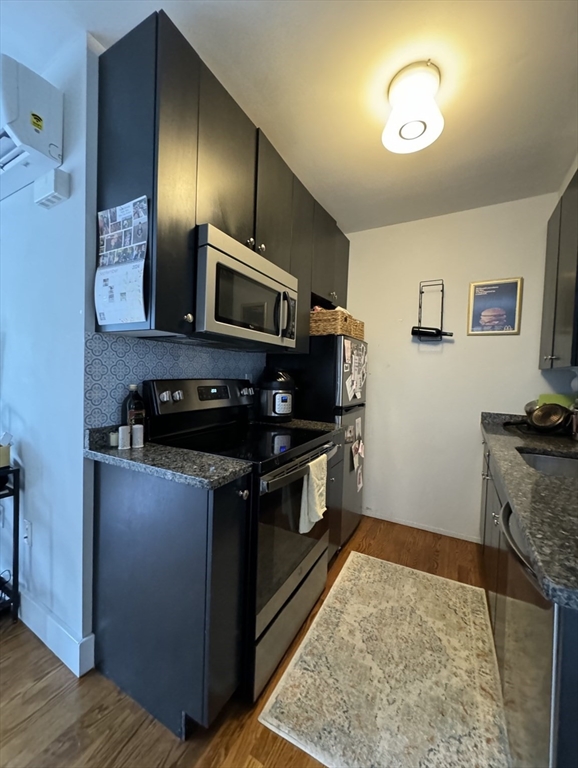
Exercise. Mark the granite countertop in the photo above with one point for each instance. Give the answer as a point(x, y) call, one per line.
point(202, 470)
point(545, 506)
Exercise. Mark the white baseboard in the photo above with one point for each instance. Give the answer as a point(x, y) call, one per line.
point(77, 654)
point(422, 527)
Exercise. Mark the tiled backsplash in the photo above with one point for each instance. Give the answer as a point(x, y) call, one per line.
point(112, 362)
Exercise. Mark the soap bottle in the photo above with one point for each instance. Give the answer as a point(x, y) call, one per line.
point(133, 409)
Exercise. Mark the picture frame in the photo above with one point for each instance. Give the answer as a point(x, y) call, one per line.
point(495, 307)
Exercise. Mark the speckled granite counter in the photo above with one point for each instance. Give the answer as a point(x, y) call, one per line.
point(546, 507)
point(203, 470)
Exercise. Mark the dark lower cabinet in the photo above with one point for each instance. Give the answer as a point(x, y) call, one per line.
point(169, 568)
point(303, 206)
point(227, 162)
point(273, 205)
point(559, 340)
point(147, 145)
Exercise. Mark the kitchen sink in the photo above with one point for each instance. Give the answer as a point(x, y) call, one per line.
point(559, 466)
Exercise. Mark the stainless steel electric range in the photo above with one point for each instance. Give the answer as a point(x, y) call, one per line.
point(285, 571)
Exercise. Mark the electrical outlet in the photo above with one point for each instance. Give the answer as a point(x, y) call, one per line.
point(27, 535)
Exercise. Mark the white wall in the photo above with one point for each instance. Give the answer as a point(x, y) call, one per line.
point(42, 325)
point(423, 460)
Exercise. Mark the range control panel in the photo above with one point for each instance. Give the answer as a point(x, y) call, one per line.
point(213, 393)
point(165, 396)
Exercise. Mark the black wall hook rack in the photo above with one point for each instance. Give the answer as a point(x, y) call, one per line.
point(424, 332)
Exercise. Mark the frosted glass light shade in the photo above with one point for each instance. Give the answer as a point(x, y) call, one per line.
point(415, 121)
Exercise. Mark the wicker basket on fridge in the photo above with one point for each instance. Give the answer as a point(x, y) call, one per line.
point(335, 322)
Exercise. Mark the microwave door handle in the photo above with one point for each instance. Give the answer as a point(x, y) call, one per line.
point(277, 314)
point(289, 313)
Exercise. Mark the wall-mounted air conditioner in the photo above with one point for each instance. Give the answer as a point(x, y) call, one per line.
point(31, 111)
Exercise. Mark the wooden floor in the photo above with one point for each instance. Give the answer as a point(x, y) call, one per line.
point(50, 719)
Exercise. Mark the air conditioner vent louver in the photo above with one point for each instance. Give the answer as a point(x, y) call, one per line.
point(31, 118)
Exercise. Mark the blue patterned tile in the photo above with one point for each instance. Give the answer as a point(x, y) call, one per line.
point(112, 362)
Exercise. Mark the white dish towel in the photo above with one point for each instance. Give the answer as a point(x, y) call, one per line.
point(313, 496)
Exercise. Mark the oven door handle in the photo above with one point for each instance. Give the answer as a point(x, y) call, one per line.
point(280, 478)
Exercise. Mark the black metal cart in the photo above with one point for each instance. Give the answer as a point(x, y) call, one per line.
point(10, 488)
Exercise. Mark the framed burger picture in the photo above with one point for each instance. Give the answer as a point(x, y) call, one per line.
point(495, 307)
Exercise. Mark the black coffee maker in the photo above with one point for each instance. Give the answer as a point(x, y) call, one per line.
point(276, 395)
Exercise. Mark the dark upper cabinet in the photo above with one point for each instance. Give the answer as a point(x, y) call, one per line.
point(324, 242)
point(303, 207)
point(559, 341)
point(226, 163)
point(341, 269)
point(273, 204)
point(148, 115)
point(330, 260)
point(550, 280)
point(169, 130)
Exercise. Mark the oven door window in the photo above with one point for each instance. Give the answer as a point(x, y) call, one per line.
point(246, 303)
point(281, 549)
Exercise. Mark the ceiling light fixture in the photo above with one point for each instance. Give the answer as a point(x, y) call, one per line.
point(415, 121)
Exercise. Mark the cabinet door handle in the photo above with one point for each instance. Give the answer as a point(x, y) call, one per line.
point(189, 318)
point(551, 357)
point(485, 476)
point(243, 494)
point(250, 242)
point(261, 248)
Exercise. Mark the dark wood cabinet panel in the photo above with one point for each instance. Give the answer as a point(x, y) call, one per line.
point(550, 281)
point(301, 258)
point(178, 74)
point(559, 338)
point(226, 163)
point(188, 660)
point(341, 270)
point(566, 320)
point(168, 129)
point(273, 204)
point(324, 242)
point(148, 115)
point(126, 155)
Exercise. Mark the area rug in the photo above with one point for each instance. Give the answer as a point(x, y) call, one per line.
point(398, 670)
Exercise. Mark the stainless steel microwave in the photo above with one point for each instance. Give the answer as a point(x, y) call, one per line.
point(241, 295)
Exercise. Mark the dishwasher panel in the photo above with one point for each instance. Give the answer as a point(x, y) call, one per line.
point(527, 663)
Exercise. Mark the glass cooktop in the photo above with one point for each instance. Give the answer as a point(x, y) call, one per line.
point(254, 442)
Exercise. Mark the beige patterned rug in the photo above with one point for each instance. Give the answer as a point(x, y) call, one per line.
point(398, 670)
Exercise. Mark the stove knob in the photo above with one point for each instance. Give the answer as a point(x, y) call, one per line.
point(243, 494)
point(251, 391)
point(245, 391)
point(164, 397)
point(178, 395)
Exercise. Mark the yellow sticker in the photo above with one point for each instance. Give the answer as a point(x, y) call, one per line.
point(37, 121)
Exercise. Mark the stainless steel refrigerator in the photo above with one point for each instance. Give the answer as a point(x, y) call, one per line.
point(330, 386)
